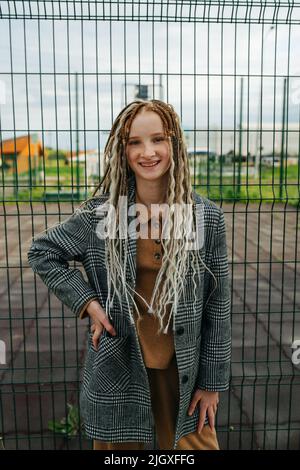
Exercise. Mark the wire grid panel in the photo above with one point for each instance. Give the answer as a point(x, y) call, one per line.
point(231, 70)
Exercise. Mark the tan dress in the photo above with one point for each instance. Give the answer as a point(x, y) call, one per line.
point(157, 349)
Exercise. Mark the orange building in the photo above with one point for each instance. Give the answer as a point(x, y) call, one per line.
point(22, 153)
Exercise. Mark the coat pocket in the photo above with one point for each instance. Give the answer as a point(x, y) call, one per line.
point(111, 368)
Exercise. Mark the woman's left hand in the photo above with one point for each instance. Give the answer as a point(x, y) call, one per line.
point(208, 403)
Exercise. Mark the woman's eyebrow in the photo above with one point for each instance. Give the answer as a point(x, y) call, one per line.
point(137, 137)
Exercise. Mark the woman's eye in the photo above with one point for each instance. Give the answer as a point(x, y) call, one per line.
point(157, 139)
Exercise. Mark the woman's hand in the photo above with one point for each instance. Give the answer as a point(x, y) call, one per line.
point(100, 321)
point(208, 403)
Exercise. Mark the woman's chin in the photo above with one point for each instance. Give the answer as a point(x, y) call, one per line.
point(149, 177)
point(150, 174)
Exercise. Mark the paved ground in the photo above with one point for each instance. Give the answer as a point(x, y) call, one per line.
point(46, 345)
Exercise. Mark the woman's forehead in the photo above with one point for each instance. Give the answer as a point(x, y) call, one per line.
point(151, 118)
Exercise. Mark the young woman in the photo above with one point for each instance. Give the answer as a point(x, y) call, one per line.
point(159, 346)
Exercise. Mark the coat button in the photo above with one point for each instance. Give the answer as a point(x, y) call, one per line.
point(157, 241)
point(184, 379)
point(180, 330)
point(157, 255)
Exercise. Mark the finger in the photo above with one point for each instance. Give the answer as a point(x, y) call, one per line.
point(99, 316)
point(211, 418)
point(202, 416)
point(96, 326)
point(193, 405)
point(107, 325)
point(96, 336)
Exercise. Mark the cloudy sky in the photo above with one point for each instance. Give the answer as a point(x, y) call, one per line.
point(198, 65)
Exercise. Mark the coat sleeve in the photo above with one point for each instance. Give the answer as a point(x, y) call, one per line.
point(49, 257)
point(215, 349)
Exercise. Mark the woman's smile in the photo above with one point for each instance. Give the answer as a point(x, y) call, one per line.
point(149, 164)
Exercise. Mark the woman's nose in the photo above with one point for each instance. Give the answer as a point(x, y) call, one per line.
point(148, 150)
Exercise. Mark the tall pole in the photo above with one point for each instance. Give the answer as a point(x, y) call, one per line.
point(77, 139)
point(259, 111)
point(282, 140)
point(161, 90)
point(240, 141)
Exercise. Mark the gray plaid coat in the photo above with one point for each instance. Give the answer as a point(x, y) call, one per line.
point(115, 401)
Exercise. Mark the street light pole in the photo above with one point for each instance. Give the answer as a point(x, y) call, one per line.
point(240, 141)
point(259, 112)
point(281, 173)
point(77, 139)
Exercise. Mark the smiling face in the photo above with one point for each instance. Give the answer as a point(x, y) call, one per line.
point(147, 150)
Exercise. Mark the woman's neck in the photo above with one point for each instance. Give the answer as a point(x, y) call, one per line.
point(150, 197)
point(150, 192)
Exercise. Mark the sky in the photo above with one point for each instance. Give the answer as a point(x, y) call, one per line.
point(199, 66)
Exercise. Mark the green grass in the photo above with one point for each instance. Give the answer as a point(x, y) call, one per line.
point(59, 182)
point(62, 171)
point(263, 189)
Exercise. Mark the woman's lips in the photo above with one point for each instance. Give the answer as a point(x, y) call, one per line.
point(149, 165)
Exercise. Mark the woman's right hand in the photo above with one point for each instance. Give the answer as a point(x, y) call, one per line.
point(100, 321)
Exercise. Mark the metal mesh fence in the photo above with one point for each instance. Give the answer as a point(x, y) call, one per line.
point(231, 69)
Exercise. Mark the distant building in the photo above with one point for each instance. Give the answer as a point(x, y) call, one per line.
point(275, 159)
point(83, 155)
point(233, 156)
point(21, 154)
point(270, 160)
point(92, 159)
point(201, 153)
